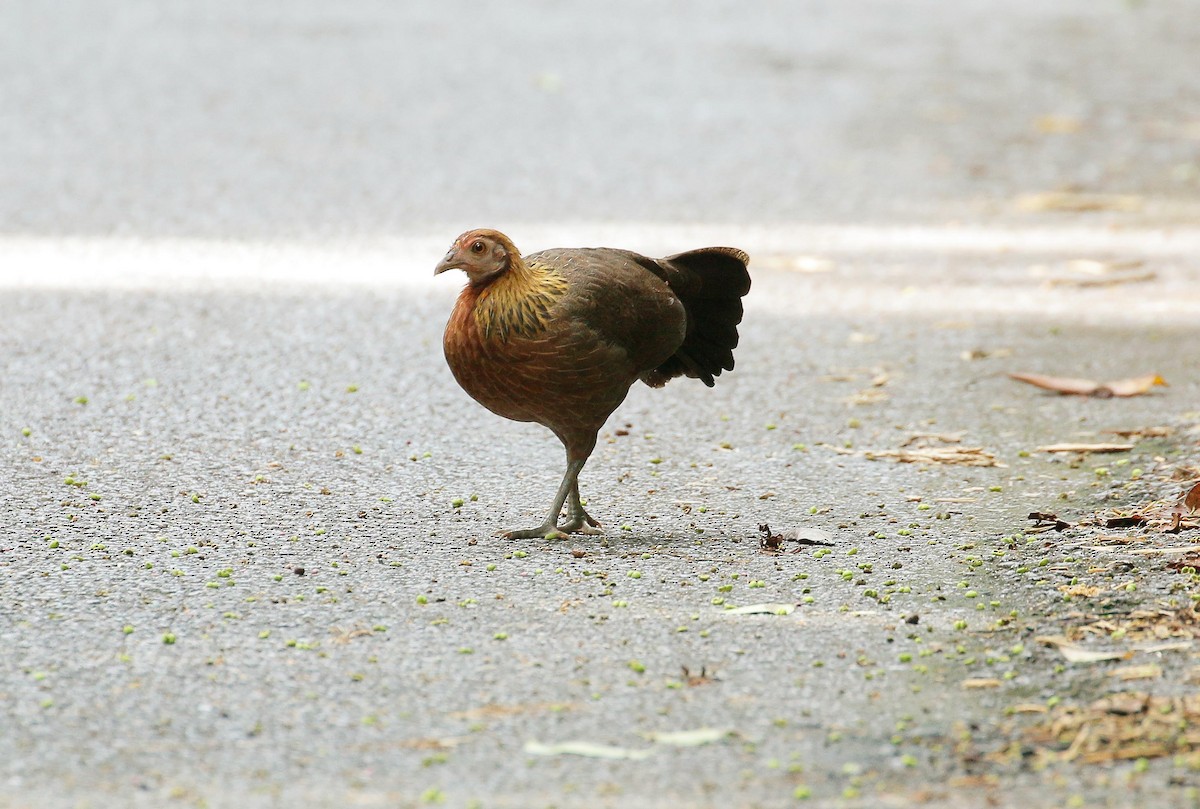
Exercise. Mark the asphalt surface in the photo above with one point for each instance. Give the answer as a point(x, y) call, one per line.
point(248, 552)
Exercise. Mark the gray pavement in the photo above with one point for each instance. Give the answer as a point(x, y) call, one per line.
point(247, 551)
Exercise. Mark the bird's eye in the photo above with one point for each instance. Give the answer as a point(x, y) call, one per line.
point(477, 247)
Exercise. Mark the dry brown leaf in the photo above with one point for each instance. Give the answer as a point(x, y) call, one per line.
point(960, 456)
point(1150, 671)
point(1142, 432)
point(1135, 386)
point(1085, 448)
point(1087, 387)
point(1079, 387)
point(1191, 500)
point(1077, 654)
point(1191, 560)
point(1074, 201)
point(1029, 707)
point(1079, 590)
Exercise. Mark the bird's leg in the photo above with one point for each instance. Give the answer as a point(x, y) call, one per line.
point(576, 515)
point(578, 520)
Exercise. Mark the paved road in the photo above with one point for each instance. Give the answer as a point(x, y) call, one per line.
point(232, 567)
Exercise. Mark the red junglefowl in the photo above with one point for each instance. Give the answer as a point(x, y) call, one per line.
point(558, 337)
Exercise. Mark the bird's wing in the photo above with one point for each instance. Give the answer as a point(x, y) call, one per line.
point(622, 298)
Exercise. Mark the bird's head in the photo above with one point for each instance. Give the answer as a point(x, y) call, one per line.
point(481, 254)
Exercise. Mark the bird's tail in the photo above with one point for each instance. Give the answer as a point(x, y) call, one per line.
point(710, 283)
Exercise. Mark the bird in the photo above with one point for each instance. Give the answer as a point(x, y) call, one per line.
point(559, 337)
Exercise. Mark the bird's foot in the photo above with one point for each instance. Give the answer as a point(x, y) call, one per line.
point(577, 524)
point(580, 522)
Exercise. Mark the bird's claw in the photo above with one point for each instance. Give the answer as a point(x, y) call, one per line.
point(580, 524)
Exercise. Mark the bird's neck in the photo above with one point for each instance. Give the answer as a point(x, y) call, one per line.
point(517, 303)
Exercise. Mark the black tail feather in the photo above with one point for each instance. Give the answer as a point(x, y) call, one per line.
point(710, 283)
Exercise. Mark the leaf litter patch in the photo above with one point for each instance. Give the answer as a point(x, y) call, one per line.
point(1122, 726)
point(1166, 518)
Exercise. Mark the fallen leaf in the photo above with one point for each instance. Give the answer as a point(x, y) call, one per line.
point(769, 542)
point(1126, 521)
point(1030, 707)
point(981, 682)
point(763, 609)
point(1191, 500)
point(1085, 448)
point(1166, 647)
point(962, 456)
point(810, 536)
point(1044, 521)
point(1167, 551)
point(1080, 387)
point(1133, 387)
point(1086, 387)
point(1142, 432)
point(1192, 561)
point(1076, 654)
point(1079, 590)
point(687, 738)
point(1074, 201)
point(1150, 671)
point(586, 749)
point(773, 543)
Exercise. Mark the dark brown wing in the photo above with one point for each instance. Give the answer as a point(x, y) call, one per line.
point(622, 300)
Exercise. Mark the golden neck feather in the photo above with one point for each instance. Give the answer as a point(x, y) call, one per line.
point(517, 304)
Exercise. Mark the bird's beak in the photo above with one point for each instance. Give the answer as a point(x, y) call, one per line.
point(449, 262)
